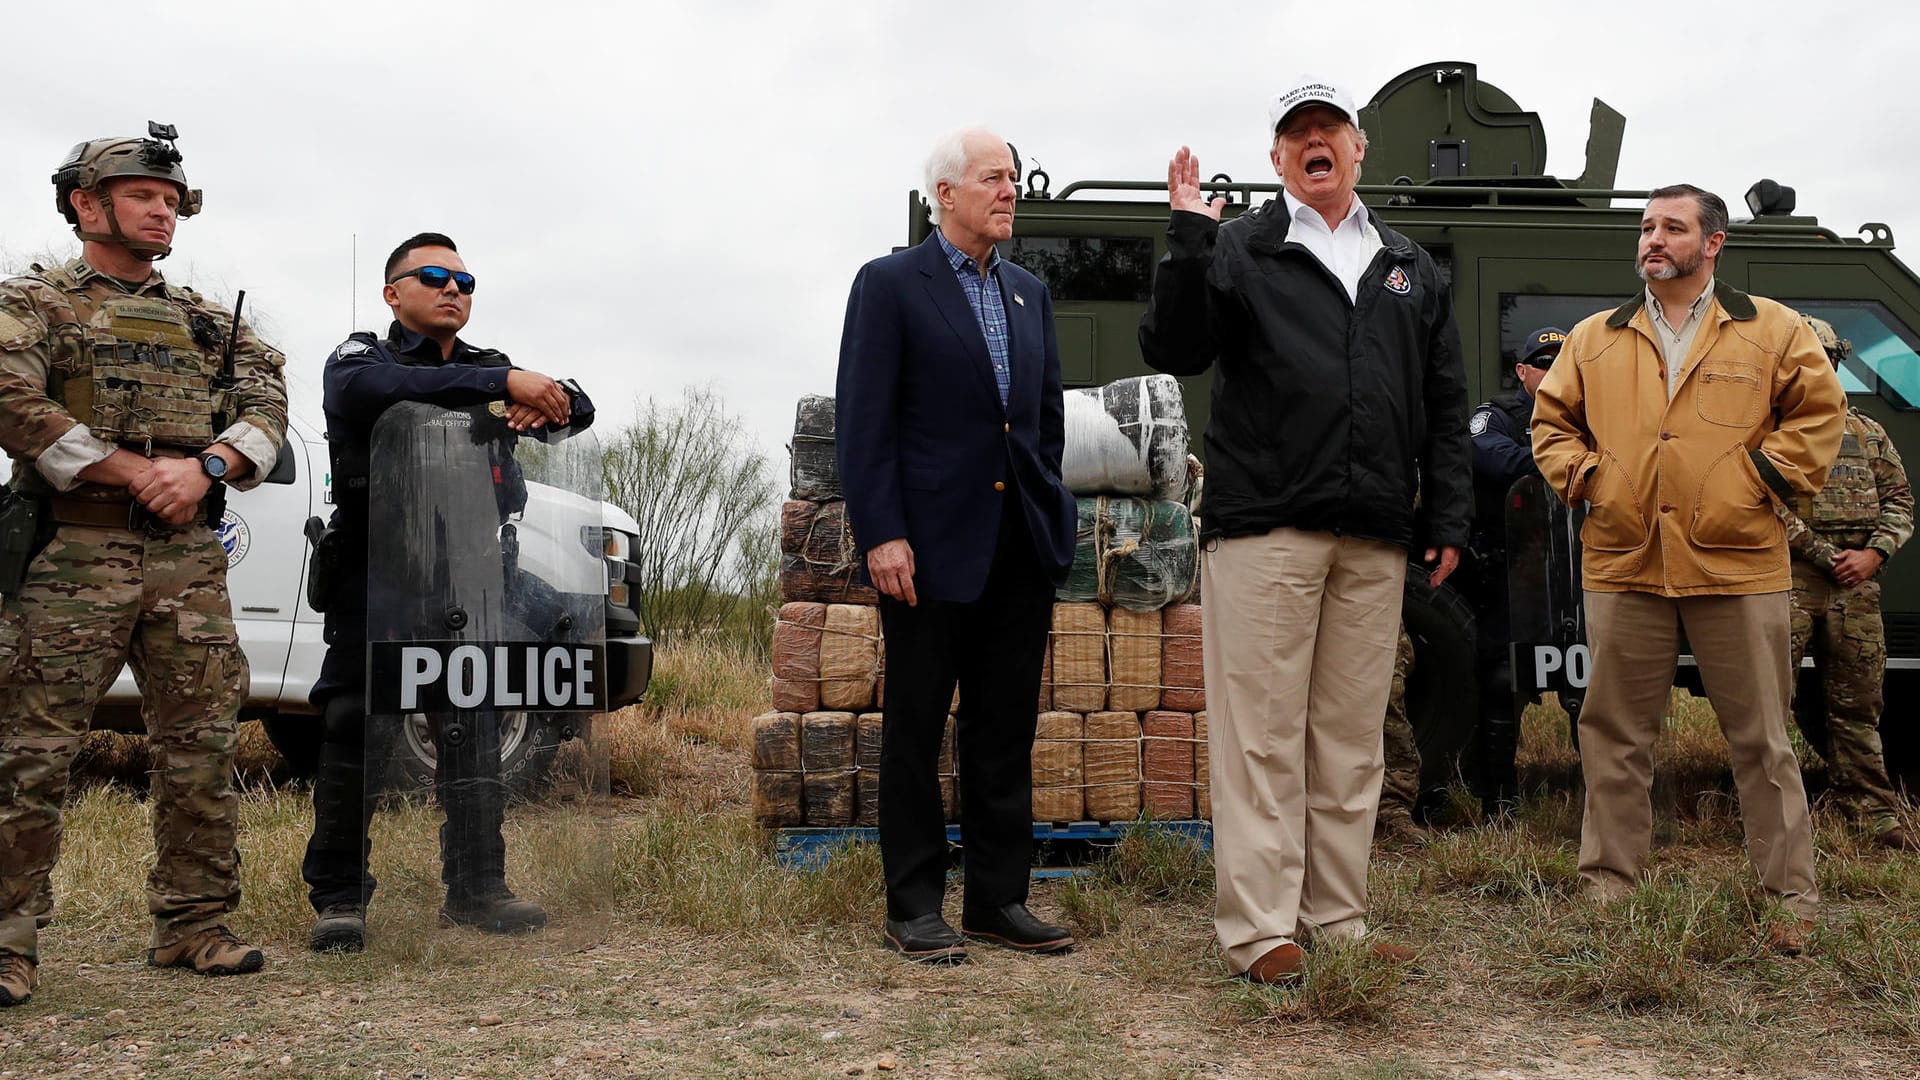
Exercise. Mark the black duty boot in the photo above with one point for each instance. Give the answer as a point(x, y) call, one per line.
point(340, 928)
point(926, 939)
point(496, 912)
point(1016, 928)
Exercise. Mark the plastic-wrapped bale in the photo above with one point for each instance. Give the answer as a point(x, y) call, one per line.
point(866, 759)
point(777, 797)
point(1113, 766)
point(1138, 554)
point(1166, 763)
point(826, 757)
point(1059, 779)
point(796, 657)
point(1046, 676)
point(1202, 768)
point(1127, 438)
point(1183, 672)
point(818, 559)
point(849, 656)
point(815, 475)
point(1079, 643)
point(1133, 652)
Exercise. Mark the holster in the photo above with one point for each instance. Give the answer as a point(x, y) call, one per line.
point(325, 541)
point(23, 532)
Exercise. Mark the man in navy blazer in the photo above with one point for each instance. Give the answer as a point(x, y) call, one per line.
point(948, 434)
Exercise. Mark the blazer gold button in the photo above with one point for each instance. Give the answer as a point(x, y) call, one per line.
point(999, 485)
point(1006, 427)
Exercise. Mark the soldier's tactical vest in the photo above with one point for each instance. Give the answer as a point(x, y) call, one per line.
point(137, 370)
point(1850, 501)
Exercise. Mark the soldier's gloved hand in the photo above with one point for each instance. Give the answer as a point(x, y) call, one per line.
point(172, 489)
point(541, 392)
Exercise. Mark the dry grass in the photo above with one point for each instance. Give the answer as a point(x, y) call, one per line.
point(717, 963)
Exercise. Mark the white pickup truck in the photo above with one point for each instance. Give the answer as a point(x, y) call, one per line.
point(267, 558)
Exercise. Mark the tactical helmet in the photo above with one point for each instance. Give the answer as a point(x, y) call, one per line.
point(1836, 346)
point(91, 164)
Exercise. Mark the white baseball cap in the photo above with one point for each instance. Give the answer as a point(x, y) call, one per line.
point(1307, 90)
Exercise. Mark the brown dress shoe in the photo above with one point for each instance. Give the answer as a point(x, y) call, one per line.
point(1789, 937)
point(1282, 965)
point(213, 951)
point(1389, 952)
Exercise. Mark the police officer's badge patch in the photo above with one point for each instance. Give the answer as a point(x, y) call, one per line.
point(497, 408)
point(1397, 282)
point(1478, 425)
point(351, 347)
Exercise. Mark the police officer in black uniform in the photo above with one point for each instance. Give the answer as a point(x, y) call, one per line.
point(421, 359)
point(1502, 454)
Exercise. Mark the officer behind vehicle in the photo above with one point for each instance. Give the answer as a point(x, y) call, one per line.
point(123, 422)
point(1502, 455)
point(1862, 515)
point(421, 359)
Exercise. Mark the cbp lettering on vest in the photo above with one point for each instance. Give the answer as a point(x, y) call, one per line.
point(1502, 455)
point(422, 359)
point(111, 380)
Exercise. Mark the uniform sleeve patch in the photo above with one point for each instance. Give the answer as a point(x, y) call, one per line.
point(1478, 425)
point(15, 334)
point(352, 347)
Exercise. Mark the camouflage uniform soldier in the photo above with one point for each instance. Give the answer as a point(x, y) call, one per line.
point(122, 428)
point(1859, 519)
point(1401, 787)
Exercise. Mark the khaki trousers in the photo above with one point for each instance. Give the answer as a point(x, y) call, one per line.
point(1741, 644)
point(1298, 639)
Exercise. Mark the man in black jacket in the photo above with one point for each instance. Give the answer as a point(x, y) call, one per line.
point(1338, 394)
point(422, 359)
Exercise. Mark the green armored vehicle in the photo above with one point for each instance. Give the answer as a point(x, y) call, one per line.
point(1464, 175)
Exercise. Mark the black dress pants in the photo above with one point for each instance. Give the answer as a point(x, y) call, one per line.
point(994, 648)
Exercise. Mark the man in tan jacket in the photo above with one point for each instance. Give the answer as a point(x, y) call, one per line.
point(1682, 416)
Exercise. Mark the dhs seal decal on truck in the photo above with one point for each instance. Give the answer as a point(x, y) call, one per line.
point(234, 536)
point(440, 676)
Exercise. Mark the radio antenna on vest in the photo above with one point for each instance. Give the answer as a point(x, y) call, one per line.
point(353, 276)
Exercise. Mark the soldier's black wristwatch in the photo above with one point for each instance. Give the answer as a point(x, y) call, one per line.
point(214, 466)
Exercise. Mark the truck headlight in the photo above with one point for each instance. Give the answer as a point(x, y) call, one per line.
point(601, 541)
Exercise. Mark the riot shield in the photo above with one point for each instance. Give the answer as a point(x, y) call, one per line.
point(486, 751)
point(1548, 629)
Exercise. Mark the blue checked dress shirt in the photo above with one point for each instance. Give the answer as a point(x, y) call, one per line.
point(989, 310)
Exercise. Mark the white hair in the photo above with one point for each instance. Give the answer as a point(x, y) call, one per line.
point(948, 161)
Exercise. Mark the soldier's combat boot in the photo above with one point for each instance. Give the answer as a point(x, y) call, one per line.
point(496, 911)
point(213, 951)
point(340, 928)
point(1896, 838)
point(16, 978)
point(1395, 825)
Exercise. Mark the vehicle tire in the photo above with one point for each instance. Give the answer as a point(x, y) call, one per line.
point(297, 737)
point(1442, 700)
point(528, 743)
point(1899, 731)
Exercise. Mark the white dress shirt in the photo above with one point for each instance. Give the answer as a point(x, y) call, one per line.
point(1346, 251)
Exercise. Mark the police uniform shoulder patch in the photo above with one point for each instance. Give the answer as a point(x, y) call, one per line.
point(1481, 417)
point(352, 347)
point(1398, 282)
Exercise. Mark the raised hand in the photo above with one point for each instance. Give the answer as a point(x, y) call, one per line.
point(1183, 186)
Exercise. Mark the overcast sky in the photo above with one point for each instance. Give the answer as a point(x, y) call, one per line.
point(659, 194)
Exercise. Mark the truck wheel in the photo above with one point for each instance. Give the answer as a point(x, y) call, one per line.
point(297, 738)
point(1442, 700)
point(528, 742)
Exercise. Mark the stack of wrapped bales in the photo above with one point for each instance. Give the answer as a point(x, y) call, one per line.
point(1121, 729)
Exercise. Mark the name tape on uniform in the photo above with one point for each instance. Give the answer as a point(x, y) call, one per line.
point(446, 676)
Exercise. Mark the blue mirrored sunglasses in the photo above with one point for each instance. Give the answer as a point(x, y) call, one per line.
point(436, 277)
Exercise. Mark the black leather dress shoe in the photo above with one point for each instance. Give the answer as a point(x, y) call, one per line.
point(926, 939)
point(1016, 928)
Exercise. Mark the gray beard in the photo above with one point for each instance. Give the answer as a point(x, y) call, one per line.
point(1673, 268)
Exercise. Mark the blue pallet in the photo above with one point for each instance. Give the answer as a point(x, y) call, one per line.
point(811, 848)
